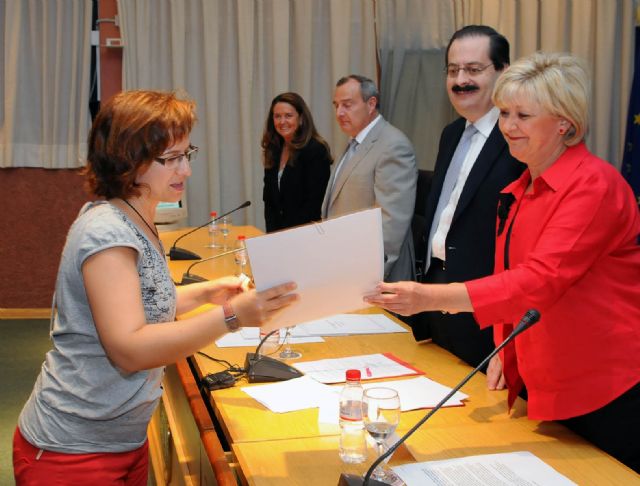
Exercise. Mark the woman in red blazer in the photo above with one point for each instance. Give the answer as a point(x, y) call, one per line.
point(567, 245)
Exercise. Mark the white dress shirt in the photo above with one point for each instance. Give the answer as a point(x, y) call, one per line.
point(485, 126)
point(359, 138)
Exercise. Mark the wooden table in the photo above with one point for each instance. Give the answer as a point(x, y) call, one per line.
point(270, 447)
point(197, 242)
point(314, 462)
point(246, 420)
point(293, 448)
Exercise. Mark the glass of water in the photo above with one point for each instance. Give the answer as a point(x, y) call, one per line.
point(381, 415)
point(288, 352)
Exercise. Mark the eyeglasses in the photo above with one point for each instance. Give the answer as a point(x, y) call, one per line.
point(452, 70)
point(173, 161)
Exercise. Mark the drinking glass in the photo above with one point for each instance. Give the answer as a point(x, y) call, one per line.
point(225, 228)
point(381, 415)
point(287, 352)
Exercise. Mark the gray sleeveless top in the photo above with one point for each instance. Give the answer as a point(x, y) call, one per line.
point(81, 402)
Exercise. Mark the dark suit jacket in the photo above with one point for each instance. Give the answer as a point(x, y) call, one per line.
point(470, 242)
point(302, 188)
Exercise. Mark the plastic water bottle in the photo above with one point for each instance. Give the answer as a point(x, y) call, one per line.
point(241, 255)
point(353, 443)
point(214, 231)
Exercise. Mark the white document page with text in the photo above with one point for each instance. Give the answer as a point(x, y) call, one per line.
point(507, 469)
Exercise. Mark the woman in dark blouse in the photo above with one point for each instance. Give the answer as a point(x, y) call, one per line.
point(296, 164)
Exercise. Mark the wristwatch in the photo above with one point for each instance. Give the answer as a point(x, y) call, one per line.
point(230, 318)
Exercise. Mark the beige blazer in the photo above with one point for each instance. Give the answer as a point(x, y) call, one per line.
point(383, 173)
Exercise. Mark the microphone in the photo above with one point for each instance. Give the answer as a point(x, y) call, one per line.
point(176, 253)
point(529, 319)
point(189, 278)
point(263, 369)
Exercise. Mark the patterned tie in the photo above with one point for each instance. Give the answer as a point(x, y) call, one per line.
point(449, 184)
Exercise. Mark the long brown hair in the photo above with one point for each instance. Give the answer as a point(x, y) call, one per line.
point(272, 142)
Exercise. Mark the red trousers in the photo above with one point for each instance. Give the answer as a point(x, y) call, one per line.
point(35, 467)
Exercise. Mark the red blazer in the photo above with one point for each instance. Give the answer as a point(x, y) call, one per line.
point(573, 255)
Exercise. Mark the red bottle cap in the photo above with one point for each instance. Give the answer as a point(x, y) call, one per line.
point(213, 214)
point(353, 375)
point(241, 237)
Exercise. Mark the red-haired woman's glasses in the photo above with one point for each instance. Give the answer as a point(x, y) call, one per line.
point(173, 161)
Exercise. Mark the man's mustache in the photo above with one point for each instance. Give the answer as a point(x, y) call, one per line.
point(461, 89)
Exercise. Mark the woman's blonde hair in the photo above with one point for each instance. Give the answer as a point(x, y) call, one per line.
point(557, 82)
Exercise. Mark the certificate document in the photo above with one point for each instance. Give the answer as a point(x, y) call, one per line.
point(334, 263)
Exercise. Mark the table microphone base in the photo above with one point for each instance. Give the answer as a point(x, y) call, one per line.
point(355, 480)
point(189, 278)
point(176, 253)
point(262, 369)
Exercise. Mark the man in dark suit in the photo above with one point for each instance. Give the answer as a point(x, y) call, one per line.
point(472, 166)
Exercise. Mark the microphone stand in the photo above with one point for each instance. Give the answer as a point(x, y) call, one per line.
point(189, 278)
point(176, 253)
point(529, 319)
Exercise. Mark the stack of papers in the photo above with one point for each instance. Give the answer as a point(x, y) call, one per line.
point(250, 336)
point(348, 324)
point(421, 392)
point(371, 366)
point(311, 332)
point(295, 394)
point(305, 392)
point(512, 468)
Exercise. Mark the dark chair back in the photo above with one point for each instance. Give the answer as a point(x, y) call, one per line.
point(419, 220)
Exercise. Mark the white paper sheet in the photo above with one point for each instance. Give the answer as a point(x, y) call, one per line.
point(252, 338)
point(414, 393)
point(371, 366)
point(295, 394)
point(348, 324)
point(420, 392)
point(513, 468)
point(334, 263)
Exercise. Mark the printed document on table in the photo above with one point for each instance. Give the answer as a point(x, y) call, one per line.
point(371, 366)
point(420, 392)
point(335, 263)
point(414, 393)
point(291, 395)
point(349, 324)
point(507, 469)
point(250, 336)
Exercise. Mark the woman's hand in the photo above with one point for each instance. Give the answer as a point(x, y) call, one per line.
point(222, 289)
point(212, 292)
point(255, 308)
point(495, 376)
point(408, 298)
point(404, 298)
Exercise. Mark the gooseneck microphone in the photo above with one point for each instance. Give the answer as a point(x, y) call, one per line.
point(529, 319)
point(176, 253)
point(189, 278)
